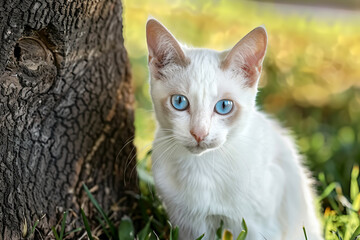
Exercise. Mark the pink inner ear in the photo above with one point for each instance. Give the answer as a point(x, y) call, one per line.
point(163, 47)
point(251, 73)
point(247, 55)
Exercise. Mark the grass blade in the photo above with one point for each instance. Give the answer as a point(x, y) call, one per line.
point(55, 233)
point(305, 233)
point(331, 187)
point(145, 176)
point(227, 235)
point(96, 204)
point(219, 230)
point(148, 237)
point(356, 203)
point(153, 236)
point(201, 237)
point(174, 233)
point(337, 234)
point(103, 226)
point(143, 234)
point(126, 230)
point(73, 231)
point(243, 224)
point(334, 205)
point(355, 234)
point(354, 186)
point(86, 223)
point(33, 228)
point(63, 222)
point(243, 233)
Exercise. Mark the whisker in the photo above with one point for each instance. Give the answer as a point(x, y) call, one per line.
point(173, 143)
point(159, 145)
point(128, 162)
point(129, 140)
point(133, 169)
point(213, 161)
point(174, 147)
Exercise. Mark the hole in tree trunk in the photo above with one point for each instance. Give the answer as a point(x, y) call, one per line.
point(17, 52)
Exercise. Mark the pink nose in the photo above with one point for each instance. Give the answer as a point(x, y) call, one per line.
point(199, 136)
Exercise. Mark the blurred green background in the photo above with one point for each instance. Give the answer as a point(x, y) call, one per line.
point(311, 74)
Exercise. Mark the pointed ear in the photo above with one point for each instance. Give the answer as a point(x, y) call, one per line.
point(247, 56)
point(163, 48)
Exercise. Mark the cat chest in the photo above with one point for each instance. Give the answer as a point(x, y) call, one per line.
point(201, 192)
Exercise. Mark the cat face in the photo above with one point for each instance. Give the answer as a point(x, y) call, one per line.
point(202, 96)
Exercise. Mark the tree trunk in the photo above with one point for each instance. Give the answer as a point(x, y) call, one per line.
point(65, 110)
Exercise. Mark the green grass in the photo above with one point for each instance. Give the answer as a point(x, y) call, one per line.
point(62, 234)
point(125, 229)
point(86, 224)
point(341, 222)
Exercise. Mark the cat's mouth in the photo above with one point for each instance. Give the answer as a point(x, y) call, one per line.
point(199, 149)
point(196, 149)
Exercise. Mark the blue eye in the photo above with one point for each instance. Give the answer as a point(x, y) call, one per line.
point(224, 106)
point(179, 102)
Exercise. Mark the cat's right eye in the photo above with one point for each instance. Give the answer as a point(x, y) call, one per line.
point(224, 106)
point(179, 102)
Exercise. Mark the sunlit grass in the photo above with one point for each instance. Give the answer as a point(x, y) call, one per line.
point(343, 217)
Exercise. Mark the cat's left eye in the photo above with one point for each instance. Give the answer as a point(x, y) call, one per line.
point(179, 102)
point(224, 106)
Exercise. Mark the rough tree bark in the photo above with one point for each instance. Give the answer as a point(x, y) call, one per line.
point(65, 109)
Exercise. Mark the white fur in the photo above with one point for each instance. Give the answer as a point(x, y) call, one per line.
point(246, 169)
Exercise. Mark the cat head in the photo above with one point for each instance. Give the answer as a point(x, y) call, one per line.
point(202, 97)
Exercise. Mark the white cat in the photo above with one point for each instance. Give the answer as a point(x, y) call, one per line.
point(215, 156)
